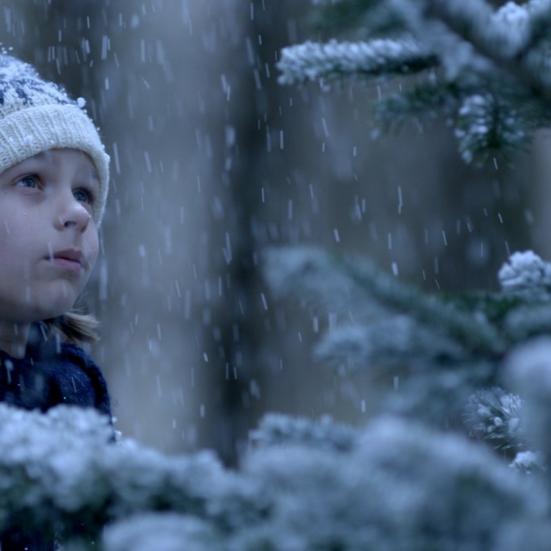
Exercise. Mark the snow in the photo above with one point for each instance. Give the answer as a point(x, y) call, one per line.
point(391, 483)
point(513, 24)
point(280, 430)
point(302, 484)
point(313, 60)
point(527, 461)
point(163, 531)
point(526, 274)
point(389, 341)
point(494, 415)
point(528, 372)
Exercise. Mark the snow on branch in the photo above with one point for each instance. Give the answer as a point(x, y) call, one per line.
point(494, 415)
point(472, 331)
point(505, 37)
point(163, 531)
point(526, 275)
point(388, 329)
point(540, 19)
point(302, 484)
point(528, 371)
point(499, 33)
point(495, 82)
point(277, 429)
point(400, 486)
point(393, 341)
point(528, 320)
point(527, 462)
point(313, 61)
point(403, 487)
point(318, 279)
point(485, 125)
point(62, 470)
point(59, 469)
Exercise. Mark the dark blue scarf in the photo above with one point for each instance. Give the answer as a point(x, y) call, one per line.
point(52, 373)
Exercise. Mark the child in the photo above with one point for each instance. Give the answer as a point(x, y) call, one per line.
point(54, 176)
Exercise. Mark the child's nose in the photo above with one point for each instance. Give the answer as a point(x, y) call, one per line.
point(73, 213)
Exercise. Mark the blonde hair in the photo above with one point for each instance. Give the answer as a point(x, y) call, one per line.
point(74, 326)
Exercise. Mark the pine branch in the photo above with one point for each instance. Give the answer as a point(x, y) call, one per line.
point(486, 127)
point(495, 82)
point(278, 430)
point(537, 25)
point(162, 531)
point(402, 486)
point(399, 485)
point(527, 276)
point(528, 462)
point(474, 22)
point(312, 274)
point(395, 341)
point(361, 286)
point(476, 334)
point(527, 321)
point(425, 99)
point(494, 415)
point(312, 61)
point(528, 372)
point(60, 470)
point(57, 470)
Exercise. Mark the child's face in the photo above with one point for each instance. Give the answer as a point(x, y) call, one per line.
point(45, 207)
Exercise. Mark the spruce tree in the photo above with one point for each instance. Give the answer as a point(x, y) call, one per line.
point(486, 70)
point(457, 454)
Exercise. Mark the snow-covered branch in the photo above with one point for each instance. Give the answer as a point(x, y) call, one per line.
point(506, 37)
point(59, 469)
point(370, 293)
point(526, 275)
point(313, 61)
point(493, 414)
point(495, 85)
point(303, 484)
point(393, 341)
point(528, 371)
point(277, 430)
point(401, 486)
point(473, 332)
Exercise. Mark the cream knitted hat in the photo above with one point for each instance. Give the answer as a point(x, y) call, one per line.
point(36, 115)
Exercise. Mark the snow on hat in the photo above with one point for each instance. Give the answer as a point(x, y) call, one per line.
point(36, 115)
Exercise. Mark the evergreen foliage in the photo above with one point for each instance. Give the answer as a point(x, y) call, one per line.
point(303, 484)
point(486, 71)
point(456, 455)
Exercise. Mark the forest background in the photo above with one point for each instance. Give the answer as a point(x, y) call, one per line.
point(213, 161)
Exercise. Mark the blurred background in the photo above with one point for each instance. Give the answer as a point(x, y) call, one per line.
point(212, 161)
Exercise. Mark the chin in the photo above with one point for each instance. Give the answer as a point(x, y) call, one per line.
point(57, 299)
point(53, 309)
point(45, 302)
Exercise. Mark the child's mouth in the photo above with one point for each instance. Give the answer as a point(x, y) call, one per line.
point(67, 259)
point(66, 264)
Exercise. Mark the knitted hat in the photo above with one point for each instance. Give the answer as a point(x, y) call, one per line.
point(36, 115)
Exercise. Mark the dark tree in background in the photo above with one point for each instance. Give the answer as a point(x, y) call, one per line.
point(252, 162)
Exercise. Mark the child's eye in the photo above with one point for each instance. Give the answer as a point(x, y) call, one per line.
point(83, 194)
point(31, 180)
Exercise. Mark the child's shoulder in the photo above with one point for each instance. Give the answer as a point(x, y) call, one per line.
point(76, 355)
point(73, 371)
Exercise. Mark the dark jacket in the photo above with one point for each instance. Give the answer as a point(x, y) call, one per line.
point(51, 373)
